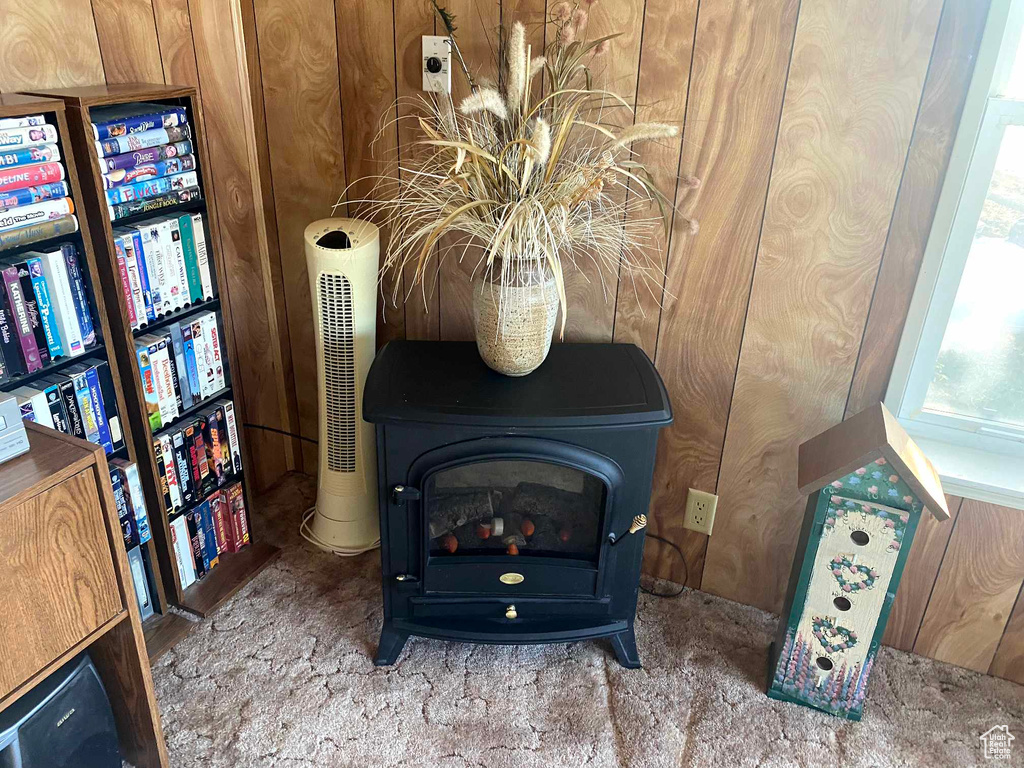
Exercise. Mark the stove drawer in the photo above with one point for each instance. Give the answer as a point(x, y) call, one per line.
point(512, 579)
point(498, 608)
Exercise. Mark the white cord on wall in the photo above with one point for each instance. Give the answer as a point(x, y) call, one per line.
point(312, 538)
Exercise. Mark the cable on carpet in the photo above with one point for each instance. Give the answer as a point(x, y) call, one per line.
point(312, 538)
point(280, 432)
point(686, 570)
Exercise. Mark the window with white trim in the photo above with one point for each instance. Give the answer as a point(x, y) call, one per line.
point(958, 382)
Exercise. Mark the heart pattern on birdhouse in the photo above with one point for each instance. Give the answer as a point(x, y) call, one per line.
point(851, 576)
point(832, 637)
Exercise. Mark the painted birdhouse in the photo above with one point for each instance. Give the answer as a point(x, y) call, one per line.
point(868, 485)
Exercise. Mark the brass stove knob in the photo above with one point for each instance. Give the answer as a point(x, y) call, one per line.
point(510, 612)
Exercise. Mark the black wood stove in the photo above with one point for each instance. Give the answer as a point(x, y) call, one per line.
point(507, 504)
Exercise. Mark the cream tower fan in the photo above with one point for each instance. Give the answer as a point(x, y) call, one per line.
point(341, 259)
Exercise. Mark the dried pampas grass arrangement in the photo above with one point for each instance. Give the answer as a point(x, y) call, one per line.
point(539, 184)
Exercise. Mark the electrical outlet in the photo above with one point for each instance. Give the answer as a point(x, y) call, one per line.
point(437, 71)
point(700, 511)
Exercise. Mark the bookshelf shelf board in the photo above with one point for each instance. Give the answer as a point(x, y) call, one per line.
point(44, 246)
point(54, 366)
point(179, 314)
point(189, 412)
point(232, 573)
point(162, 631)
point(193, 206)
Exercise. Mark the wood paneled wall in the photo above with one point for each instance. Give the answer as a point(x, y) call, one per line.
point(821, 130)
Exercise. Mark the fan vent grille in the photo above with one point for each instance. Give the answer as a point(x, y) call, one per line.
point(338, 332)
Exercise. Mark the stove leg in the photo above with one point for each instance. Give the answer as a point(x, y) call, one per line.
point(390, 646)
point(624, 645)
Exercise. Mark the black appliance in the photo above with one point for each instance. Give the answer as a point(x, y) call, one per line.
point(506, 503)
point(65, 721)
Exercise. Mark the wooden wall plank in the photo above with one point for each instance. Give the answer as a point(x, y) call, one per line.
point(945, 89)
point(478, 35)
point(977, 586)
point(821, 244)
point(218, 38)
point(422, 310)
point(48, 43)
point(591, 292)
point(1008, 662)
point(740, 59)
point(922, 568)
point(663, 85)
point(128, 41)
point(268, 235)
point(174, 33)
point(174, 30)
point(298, 49)
point(366, 60)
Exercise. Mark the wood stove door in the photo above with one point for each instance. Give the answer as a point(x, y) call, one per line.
point(514, 516)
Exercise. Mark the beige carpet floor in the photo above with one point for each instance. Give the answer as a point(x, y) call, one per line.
point(282, 676)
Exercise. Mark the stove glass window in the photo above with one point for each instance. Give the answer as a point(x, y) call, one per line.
point(514, 507)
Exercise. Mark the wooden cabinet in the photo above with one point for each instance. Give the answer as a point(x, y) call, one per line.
point(58, 577)
point(65, 585)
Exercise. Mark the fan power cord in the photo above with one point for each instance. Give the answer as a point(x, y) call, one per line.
point(312, 538)
point(686, 570)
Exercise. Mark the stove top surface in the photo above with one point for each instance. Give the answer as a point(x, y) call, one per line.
point(579, 385)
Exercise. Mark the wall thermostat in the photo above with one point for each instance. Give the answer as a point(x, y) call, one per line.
point(437, 72)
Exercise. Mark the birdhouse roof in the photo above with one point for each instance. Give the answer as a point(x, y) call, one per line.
point(853, 443)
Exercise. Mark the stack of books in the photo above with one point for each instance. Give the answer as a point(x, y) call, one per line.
point(35, 202)
point(79, 401)
point(200, 536)
point(44, 311)
point(131, 511)
point(145, 151)
point(199, 464)
point(164, 266)
point(198, 457)
point(181, 366)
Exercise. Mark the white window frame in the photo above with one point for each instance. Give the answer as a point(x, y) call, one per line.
point(975, 458)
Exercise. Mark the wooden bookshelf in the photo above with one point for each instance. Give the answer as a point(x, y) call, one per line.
point(235, 569)
point(164, 628)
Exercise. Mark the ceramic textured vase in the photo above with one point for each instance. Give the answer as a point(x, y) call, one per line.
point(514, 323)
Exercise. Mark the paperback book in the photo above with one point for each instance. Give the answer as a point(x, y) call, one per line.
point(140, 583)
point(33, 233)
point(143, 157)
point(37, 194)
point(62, 301)
point(45, 153)
point(182, 552)
point(32, 310)
point(168, 167)
point(124, 120)
point(15, 301)
point(27, 136)
point(35, 213)
point(20, 177)
point(153, 187)
point(25, 121)
point(152, 204)
point(152, 138)
point(80, 300)
point(51, 328)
